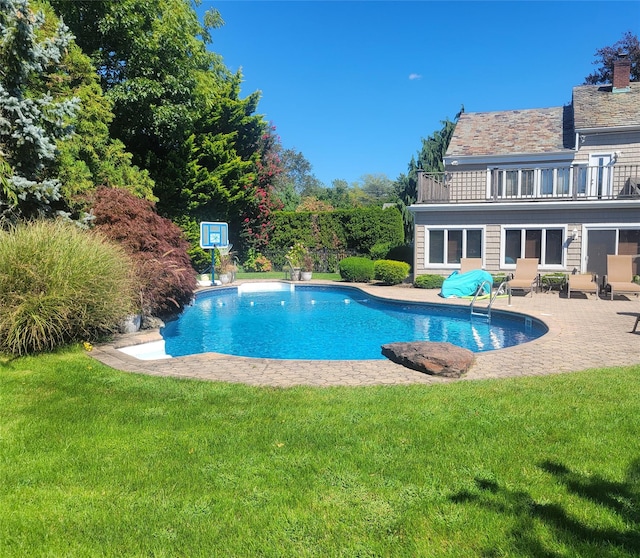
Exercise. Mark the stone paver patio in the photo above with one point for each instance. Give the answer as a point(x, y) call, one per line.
point(583, 333)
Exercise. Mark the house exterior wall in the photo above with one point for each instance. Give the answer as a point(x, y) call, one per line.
point(627, 144)
point(525, 179)
point(492, 219)
point(468, 182)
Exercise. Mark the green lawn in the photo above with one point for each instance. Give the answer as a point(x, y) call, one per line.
point(96, 462)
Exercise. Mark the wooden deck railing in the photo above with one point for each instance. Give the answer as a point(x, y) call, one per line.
point(576, 182)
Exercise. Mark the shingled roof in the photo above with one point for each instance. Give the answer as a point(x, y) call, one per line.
point(596, 106)
point(512, 132)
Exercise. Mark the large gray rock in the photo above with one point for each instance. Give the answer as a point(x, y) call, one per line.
point(437, 359)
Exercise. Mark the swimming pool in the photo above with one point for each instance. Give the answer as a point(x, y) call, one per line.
point(289, 321)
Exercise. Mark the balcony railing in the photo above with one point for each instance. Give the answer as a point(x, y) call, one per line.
point(576, 182)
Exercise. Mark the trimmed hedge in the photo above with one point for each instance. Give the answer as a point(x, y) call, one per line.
point(391, 272)
point(428, 281)
point(352, 230)
point(356, 269)
point(401, 253)
point(380, 251)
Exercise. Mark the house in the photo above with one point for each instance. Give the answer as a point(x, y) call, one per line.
point(560, 184)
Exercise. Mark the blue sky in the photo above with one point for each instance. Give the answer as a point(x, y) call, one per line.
point(356, 85)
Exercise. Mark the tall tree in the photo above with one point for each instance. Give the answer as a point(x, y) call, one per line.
point(628, 46)
point(154, 66)
point(89, 157)
point(430, 159)
point(297, 173)
point(378, 188)
point(177, 107)
point(257, 226)
point(31, 120)
point(339, 195)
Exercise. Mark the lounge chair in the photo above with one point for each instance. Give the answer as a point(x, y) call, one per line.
point(469, 264)
point(619, 278)
point(583, 282)
point(526, 275)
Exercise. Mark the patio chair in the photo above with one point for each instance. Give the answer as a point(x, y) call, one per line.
point(619, 278)
point(583, 282)
point(526, 275)
point(469, 264)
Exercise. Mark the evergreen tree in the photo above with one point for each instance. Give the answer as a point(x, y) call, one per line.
point(430, 159)
point(31, 120)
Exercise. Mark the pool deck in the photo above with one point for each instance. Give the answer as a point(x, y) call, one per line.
point(584, 333)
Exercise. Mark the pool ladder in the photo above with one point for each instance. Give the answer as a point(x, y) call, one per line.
point(485, 312)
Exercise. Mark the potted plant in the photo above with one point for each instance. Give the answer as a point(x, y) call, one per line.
point(295, 258)
point(306, 270)
point(226, 267)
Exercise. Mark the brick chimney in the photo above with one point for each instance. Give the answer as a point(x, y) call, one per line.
point(621, 73)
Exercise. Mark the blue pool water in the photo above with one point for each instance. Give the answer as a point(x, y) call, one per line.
point(329, 323)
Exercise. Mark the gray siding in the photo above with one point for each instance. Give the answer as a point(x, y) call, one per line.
point(493, 220)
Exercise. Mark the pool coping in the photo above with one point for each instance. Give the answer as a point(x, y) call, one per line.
point(584, 333)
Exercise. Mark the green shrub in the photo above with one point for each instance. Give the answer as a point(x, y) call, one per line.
point(428, 281)
point(380, 250)
point(200, 258)
point(59, 285)
point(255, 261)
point(401, 253)
point(499, 278)
point(391, 272)
point(356, 269)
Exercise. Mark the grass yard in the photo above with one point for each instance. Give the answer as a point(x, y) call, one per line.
point(96, 462)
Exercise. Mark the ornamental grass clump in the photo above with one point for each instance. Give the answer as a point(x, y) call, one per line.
point(59, 285)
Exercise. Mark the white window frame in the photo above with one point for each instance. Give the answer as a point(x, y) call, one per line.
point(586, 227)
point(446, 229)
point(523, 228)
point(537, 180)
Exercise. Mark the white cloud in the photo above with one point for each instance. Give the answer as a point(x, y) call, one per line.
point(414, 76)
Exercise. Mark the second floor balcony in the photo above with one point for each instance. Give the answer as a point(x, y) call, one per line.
point(575, 182)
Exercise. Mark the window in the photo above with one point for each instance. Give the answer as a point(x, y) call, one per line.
point(436, 246)
point(513, 183)
point(546, 182)
point(454, 246)
point(447, 246)
point(604, 240)
point(563, 181)
point(546, 244)
point(580, 178)
point(629, 243)
point(528, 183)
